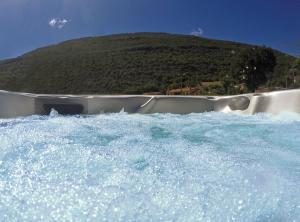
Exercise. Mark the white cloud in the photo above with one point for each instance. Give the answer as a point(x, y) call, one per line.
point(197, 32)
point(58, 23)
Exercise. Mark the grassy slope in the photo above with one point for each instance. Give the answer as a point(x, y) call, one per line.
point(127, 63)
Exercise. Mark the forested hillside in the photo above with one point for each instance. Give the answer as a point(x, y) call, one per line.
point(127, 64)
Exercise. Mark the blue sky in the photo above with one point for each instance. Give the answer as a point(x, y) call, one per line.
point(29, 24)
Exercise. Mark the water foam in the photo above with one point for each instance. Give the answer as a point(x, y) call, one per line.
point(162, 167)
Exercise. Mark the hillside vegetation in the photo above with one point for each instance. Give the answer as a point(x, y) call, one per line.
point(127, 64)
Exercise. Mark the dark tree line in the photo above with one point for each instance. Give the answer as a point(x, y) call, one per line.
point(251, 67)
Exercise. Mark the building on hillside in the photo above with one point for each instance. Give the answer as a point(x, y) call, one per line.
point(183, 91)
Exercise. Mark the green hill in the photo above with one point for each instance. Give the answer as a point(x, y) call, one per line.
point(126, 63)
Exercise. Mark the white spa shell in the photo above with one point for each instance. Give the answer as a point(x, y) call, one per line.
point(14, 104)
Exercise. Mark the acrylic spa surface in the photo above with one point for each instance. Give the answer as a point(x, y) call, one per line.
point(160, 167)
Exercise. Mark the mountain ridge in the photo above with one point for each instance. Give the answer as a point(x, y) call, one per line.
point(130, 63)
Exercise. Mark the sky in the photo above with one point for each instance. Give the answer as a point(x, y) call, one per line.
point(29, 24)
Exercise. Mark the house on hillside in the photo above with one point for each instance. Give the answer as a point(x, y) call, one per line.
point(183, 91)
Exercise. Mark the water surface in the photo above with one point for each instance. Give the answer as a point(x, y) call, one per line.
point(162, 167)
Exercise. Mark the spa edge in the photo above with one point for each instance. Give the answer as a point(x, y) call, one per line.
point(14, 104)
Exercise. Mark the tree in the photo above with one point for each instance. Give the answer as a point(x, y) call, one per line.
point(296, 66)
point(253, 67)
point(228, 85)
point(293, 73)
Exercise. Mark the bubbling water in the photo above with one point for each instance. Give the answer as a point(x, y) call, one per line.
point(162, 167)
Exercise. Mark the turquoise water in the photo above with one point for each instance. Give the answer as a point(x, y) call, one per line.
point(162, 167)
